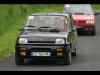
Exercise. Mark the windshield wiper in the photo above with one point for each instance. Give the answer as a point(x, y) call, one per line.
point(44, 27)
point(54, 30)
point(30, 26)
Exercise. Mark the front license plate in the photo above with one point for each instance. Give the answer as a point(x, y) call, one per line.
point(40, 53)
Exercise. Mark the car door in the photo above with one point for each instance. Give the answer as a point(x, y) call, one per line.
point(72, 36)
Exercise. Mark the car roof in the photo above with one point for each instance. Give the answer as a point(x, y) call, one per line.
point(78, 8)
point(49, 13)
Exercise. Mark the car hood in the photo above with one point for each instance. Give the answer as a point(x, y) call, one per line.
point(45, 34)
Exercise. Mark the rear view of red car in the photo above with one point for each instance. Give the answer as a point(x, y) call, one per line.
point(83, 17)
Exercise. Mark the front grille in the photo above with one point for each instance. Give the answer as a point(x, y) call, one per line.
point(41, 42)
point(41, 49)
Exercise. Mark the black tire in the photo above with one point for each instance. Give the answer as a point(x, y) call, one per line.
point(18, 60)
point(89, 33)
point(67, 60)
point(93, 31)
point(74, 53)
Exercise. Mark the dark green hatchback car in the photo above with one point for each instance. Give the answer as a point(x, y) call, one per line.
point(47, 36)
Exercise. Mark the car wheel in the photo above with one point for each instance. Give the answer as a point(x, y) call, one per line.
point(92, 32)
point(18, 60)
point(89, 33)
point(68, 59)
point(74, 53)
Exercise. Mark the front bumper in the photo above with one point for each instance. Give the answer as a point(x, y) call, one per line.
point(53, 49)
point(84, 29)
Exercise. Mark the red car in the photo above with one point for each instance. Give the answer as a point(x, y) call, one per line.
point(83, 17)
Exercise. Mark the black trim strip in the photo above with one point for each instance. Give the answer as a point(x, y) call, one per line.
point(45, 44)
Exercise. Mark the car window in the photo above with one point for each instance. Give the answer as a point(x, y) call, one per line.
point(69, 25)
point(57, 22)
point(79, 8)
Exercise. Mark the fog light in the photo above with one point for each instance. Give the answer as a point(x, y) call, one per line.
point(60, 49)
point(23, 53)
point(22, 49)
point(60, 54)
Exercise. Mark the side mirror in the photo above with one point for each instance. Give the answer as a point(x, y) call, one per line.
point(20, 29)
point(96, 13)
point(63, 11)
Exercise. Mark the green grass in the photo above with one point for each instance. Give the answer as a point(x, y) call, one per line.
point(96, 6)
point(12, 17)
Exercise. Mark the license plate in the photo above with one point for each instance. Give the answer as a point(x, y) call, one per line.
point(40, 54)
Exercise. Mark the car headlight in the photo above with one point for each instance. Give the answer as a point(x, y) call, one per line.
point(60, 41)
point(67, 6)
point(22, 40)
point(90, 22)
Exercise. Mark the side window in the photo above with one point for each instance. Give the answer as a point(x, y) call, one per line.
point(73, 34)
point(72, 25)
point(69, 25)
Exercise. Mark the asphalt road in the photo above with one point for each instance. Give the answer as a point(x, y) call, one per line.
point(88, 58)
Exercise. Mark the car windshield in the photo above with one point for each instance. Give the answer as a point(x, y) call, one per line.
point(47, 22)
point(79, 8)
